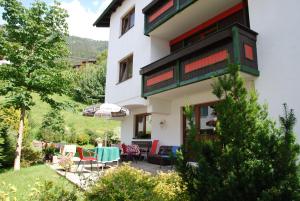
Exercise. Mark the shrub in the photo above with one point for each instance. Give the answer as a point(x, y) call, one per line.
point(169, 187)
point(71, 136)
point(66, 163)
point(8, 132)
point(251, 160)
point(53, 127)
point(83, 139)
point(127, 183)
point(7, 146)
point(93, 136)
point(111, 136)
point(31, 156)
point(48, 191)
point(49, 152)
point(90, 84)
point(7, 192)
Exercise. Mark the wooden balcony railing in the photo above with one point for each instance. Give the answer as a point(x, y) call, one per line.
point(203, 60)
point(159, 11)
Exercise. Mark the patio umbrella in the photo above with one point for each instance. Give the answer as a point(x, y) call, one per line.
point(106, 110)
point(91, 110)
point(109, 110)
point(3, 62)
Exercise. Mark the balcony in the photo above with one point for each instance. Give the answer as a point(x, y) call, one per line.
point(206, 59)
point(168, 19)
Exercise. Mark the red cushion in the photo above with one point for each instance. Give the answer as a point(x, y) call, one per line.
point(124, 149)
point(133, 149)
point(88, 159)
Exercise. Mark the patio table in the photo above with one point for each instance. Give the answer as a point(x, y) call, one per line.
point(107, 154)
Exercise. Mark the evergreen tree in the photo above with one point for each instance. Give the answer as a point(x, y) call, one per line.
point(53, 127)
point(252, 159)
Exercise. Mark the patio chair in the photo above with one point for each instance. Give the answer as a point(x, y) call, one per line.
point(169, 156)
point(154, 147)
point(68, 151)
point(91, 158)
point(130, 152)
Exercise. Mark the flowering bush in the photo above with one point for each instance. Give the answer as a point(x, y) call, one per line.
point(170, 187)
point(48, 191)
point(127, 183)
point(66, 163)
point(7, 192)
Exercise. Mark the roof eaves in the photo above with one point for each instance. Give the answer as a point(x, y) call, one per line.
point(104, 19)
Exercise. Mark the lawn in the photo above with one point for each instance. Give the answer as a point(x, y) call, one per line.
point(73, 117)
point(24, 180)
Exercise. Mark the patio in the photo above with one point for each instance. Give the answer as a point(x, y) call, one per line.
point(86, 177)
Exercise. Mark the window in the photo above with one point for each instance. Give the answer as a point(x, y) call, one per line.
point(205, 119)
point(128, 21)
point(143, 126)
point(126, 69)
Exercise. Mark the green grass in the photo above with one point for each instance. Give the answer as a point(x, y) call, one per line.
point(73, 118)
point(25, 179)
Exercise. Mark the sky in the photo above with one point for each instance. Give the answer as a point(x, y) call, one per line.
point(82, 15)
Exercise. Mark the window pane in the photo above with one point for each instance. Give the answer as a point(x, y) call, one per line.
point(208, 119)
point(132, 16)
point(129, 68)
point(126, 69)
point(148, 126)
point(140, 122)
point(143, 126)
point(128, 21)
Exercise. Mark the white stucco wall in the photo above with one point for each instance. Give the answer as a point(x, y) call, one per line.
point(133, 42)
point(278, 48)
point(144, 49)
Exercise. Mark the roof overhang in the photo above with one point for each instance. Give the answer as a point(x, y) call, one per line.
point(104, 19)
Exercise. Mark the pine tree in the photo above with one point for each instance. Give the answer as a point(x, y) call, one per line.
point(252, 159)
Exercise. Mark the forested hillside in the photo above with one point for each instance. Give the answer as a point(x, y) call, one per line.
point(84, 48)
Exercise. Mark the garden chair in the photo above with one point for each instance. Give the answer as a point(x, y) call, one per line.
point(92, 157)
point(130, 152)
point(68, 151)
point(169, 156)
point(154, 147)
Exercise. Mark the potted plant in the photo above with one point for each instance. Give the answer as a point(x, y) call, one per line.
point(49, 152)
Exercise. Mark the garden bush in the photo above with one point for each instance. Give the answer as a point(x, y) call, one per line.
point(48, 191)
point(31, 156)
point(89, 84)
point(83, 139)
point(7, 192)
point(251, 160)
point(53, 127)
point(127, 183)
point(7, 146)
point(8, 133)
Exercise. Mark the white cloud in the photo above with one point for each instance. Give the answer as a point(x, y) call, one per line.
point(81, 20)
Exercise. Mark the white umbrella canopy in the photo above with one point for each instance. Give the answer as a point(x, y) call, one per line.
point(3, 62)
point(111, 110)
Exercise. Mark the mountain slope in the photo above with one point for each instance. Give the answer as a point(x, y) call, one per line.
point(84, 48)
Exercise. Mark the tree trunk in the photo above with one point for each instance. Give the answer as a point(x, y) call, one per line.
point(17, 164)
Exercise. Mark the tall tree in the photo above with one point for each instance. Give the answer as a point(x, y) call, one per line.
point(34, 41)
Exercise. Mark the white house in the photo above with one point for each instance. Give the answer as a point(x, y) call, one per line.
point(163, 53)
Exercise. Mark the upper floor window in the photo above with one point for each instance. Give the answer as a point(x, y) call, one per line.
point(128, 21)
point(126, 69)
